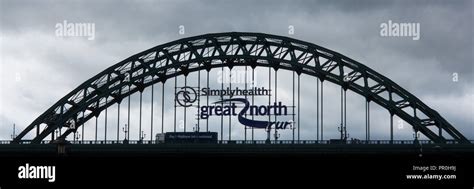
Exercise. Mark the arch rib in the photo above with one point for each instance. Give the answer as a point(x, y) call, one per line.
point(233, 49)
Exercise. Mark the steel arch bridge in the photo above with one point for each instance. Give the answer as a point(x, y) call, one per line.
point(209, 51)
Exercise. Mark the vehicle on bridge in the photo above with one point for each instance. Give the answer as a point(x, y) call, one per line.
point(186, 137)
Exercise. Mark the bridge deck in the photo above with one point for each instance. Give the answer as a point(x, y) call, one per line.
point(237, 149)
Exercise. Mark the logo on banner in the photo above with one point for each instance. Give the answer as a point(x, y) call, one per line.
point(186, 96)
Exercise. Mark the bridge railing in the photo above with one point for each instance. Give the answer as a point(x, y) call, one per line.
point(245, 142)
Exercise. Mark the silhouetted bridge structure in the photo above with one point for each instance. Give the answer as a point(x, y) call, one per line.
point(64, 121)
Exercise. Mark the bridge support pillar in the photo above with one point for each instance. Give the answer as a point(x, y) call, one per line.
point(367, 120)
point(391, 128)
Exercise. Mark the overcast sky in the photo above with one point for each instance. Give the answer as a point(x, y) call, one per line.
point(38, 67)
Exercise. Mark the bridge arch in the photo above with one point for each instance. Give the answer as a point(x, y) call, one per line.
point(209, 51)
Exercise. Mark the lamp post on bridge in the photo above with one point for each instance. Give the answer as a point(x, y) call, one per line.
point(142, 136)
point(416, 135)
point(77, 137)
point(125, 130)
point(342, 129)
point(276, 135)
point(13, 134)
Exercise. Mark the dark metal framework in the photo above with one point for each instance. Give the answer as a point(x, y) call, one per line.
point(209, 51)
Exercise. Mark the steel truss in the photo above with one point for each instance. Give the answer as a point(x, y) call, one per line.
point(209, 51)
